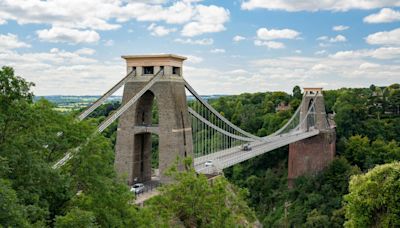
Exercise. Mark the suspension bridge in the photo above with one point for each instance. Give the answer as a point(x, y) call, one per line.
point(197, 130)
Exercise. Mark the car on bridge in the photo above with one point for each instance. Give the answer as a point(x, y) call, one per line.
point(246, 147)
point(208, 163)
point(137, 188)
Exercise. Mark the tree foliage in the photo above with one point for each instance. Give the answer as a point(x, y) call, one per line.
point(373, 199)
point(194, 201)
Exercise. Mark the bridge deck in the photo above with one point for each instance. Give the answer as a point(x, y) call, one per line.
point(232, 156)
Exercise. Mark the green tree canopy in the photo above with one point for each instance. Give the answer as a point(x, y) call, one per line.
point(374, 199)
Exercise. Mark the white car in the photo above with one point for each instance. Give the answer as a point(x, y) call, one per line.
point(246, 147)
point(137, 188)
point(208, 163)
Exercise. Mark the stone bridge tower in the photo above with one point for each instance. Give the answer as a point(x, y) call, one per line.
point(134, 144)
point(311, 155)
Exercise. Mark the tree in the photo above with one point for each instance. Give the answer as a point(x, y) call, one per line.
point(366, 154)
point(101, 193)
point(373, 199)
point(11, 212)
point(316, 219)
point(394, 101)
point(76, 218)
point(297, 92)
point(350, 110)
point(357, 150)
point(13, 88)
point(33, 137)
point(194, 201)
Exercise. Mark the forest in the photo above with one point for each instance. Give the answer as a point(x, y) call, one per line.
point(358, 189)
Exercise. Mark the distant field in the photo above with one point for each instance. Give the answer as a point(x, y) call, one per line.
point(71, 103)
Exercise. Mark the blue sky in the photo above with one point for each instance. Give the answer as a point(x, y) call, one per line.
point(74, 47)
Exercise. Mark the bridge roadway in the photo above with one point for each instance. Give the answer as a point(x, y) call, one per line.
point(229, 157)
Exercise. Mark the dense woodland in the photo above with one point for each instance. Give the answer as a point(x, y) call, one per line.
point(354, 191)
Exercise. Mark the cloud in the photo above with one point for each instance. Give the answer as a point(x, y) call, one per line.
point(218, 50)
point(338, 38)
point(385, 38)
point(272, 34)
point(157, 30)
point(10, 41)
point(269, 44)
point(206, 41)
point(109, 43)
point(67, 35)
point(193, 59)
point(386, 15)
point(327, 41)
point(325, 70)
point(321, 52)
point(238, 38)
point(340, 28)
point(101, 15)
point(84, 51)
point(208, 19)
point(65, 72)
point(385, 53)
point(338, 5)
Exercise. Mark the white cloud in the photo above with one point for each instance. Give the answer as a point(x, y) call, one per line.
point(272, 34)
point(63, 72)
point(218, 50)
point(298, 51)
point(10, 41)
point(325, 71)
point(323, 38)
point(380, 53)
point(84, 51)
point(326, 41)
point(109, 43)
point(157, 30)
point(67, 35)
point(386, 15)
point(321, 52)
point(193, 59)
point(208, 19)
point(340, 28)
point(238, 38)
point(385, 38)
point(338, 5)
point(269, 44)
point(338, 38)
point(95, 15)
point(206, 41)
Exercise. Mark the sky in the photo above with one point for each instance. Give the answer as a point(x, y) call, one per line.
point(74, 47)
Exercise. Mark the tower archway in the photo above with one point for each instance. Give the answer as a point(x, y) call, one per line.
point(136, 125)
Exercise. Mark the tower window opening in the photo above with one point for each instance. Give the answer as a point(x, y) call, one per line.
point(148, 70)
point(176, 70)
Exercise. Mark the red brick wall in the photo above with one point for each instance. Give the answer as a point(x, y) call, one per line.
point(309, 156)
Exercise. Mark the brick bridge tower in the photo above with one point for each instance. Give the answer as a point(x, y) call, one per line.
point(133, 143)
point(311, 155)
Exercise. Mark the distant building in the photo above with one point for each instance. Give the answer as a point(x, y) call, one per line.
point(282, 107)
